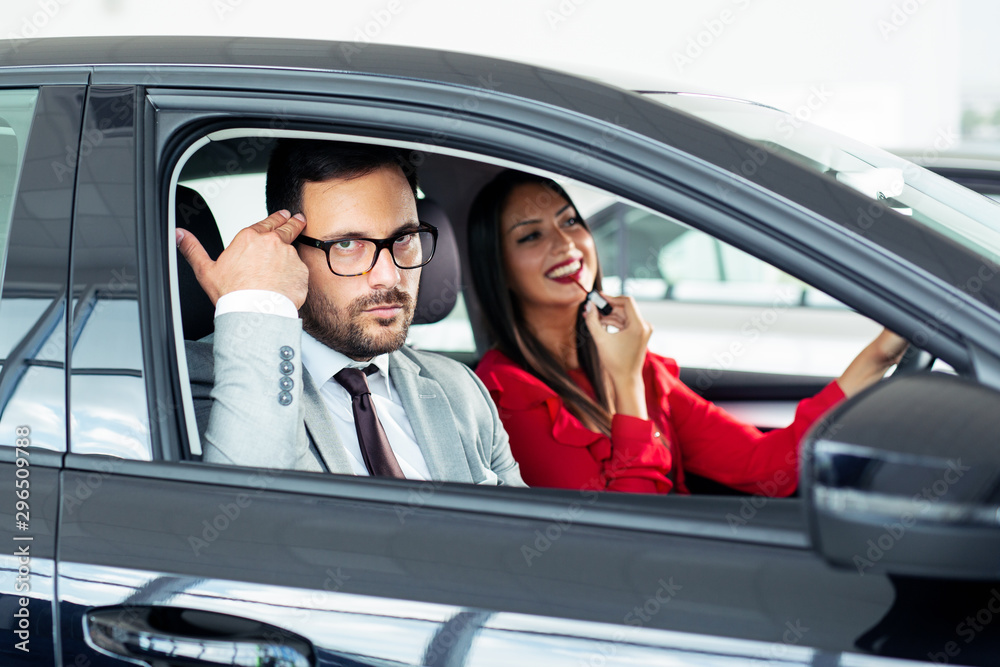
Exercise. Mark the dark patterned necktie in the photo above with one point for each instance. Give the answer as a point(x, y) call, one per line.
point(375, 448)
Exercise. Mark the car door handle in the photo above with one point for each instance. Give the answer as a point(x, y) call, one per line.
point(171, 636)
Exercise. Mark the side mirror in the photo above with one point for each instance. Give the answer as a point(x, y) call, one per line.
point(904, 478)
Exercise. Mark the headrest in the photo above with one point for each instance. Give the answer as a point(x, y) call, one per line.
point(197, 311)
point(440, 281)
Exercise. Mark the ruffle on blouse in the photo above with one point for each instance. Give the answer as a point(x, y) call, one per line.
point(630, 458)
point(532, 392)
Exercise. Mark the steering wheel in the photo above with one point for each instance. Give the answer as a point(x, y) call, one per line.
point(915, 360)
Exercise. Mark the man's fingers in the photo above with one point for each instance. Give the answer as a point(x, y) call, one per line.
point(271, 222)
point(287, 228)
point(291, 229)
point(193, 252)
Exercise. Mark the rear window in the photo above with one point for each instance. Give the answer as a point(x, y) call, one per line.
point(17, 107)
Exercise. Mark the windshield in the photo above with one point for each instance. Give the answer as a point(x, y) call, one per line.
point(957, 213)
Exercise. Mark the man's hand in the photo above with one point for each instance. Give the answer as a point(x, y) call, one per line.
point(260, 257)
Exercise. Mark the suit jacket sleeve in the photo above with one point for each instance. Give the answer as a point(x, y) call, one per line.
point(240, 417)
point(716, 445)
point(492, 430)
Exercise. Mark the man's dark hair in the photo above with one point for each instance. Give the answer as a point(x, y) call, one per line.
point(295, 162)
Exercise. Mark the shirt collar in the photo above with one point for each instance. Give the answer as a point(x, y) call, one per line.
point(323, 362)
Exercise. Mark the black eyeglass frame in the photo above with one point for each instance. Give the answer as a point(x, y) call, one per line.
point(380, 244)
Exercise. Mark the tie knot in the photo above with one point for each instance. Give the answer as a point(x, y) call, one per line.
point(354, 381)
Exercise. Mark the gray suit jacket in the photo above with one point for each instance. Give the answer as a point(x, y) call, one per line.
point(234, 380)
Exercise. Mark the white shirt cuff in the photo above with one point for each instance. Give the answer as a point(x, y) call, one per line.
point(256, 301)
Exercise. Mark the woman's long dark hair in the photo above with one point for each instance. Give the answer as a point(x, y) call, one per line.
point(508, 330)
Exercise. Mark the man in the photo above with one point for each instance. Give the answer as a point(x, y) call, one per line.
point(337, 303)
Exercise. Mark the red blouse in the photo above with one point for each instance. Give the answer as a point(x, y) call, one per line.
point(684, 432)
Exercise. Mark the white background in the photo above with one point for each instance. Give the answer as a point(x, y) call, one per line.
point(895, 73)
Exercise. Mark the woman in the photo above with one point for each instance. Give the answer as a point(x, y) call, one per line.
point(589, 409)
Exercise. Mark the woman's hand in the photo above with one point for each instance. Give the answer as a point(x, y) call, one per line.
point(622, 353)
point(869, 366)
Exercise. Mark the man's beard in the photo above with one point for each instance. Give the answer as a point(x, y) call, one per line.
point(342, 331)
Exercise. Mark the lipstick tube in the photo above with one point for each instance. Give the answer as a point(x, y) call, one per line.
point(602, 304)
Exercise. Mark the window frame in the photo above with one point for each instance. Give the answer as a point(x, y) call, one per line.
point(56, 123)
point(630, 167)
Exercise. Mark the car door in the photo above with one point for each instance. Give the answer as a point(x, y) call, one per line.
point(39, 135)
point(162, 557)
point(166, 559)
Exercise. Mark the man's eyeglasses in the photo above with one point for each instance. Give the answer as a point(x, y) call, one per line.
point(355, 257)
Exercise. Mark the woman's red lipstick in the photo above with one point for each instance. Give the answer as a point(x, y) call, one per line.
point(568, 277)
point(595, 298)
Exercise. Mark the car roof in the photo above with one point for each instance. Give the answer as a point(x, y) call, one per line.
point(457, 68)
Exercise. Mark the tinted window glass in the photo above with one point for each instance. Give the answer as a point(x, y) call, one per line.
point(714, 306)
point(39, 135)
point(108, 390)
point(16, 110)
point(947, 230)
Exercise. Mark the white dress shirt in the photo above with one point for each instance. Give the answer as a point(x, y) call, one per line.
point(322, 363)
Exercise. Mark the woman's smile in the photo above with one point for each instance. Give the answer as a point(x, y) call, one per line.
point(565, 272)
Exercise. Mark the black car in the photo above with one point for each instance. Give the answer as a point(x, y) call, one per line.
point(125, 548)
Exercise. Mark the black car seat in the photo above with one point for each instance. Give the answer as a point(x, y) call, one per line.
point(440, 281)
point(193, 214)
